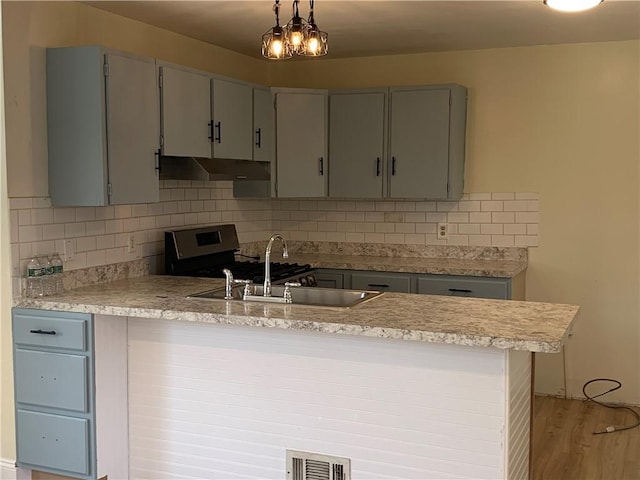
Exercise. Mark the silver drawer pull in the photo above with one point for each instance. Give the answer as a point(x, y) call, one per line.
point(43, 332)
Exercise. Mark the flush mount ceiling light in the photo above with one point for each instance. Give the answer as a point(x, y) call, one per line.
point(298, 36)
point(572, 5)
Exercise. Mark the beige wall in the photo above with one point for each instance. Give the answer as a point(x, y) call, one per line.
point(27, 28)
point(562, 121)
point(33, 25)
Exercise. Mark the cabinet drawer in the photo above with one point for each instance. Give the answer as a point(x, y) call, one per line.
point(53, 441)
point(51, 379)
point(50, 329)
point(385, 282)
point(467, 287)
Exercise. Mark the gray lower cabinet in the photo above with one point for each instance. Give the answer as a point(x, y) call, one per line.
point(452, 285)
point(54, 398)
point(70, 383)
point(498, 288)
point(331, 279)
point(384, 282)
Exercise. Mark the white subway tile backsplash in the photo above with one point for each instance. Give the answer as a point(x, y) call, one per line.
point(53, 231)
point(30, 233)
point(515, 206)
point(479, 196)
point(85, 214)
point(492, 206)
point(41, 202)
point(101, 233)
point(20, 203)
point(458, 217)
point(503, 217)
point(502, 196)
point(469, 228)
point(515, 229)
point(469, 206)
point(436, 217)
point(24, 217)
point(64, 215)
point(502, 240)
point(527, 217)
point(40, 216)
point(491, 229)
point(527, 196)
point(480, 217)
point(96, 228)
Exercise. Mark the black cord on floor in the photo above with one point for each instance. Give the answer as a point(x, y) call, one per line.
point(610, 428)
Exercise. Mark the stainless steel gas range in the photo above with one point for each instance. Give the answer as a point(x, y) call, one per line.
point(206, 251)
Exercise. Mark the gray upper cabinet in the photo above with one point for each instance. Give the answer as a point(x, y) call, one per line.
point(232, 107)
point(263, 128)
point(357, 144)
point(426, 142)
point(185, 107)
point(301, 144)
point(103, 127)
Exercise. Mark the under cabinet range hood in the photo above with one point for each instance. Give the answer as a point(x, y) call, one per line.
point(207, 169)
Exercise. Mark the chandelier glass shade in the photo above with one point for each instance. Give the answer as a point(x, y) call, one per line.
point(572, 5)
point(297, 37)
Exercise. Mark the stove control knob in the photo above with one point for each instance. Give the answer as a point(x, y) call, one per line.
point(303, 281)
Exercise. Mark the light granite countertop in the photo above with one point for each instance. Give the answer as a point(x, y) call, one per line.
point(441, 266)
point(535, 327)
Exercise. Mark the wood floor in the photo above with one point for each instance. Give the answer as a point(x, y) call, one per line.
point(566, 449)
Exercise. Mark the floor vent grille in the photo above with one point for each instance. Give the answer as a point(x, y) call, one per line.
point(314, 466)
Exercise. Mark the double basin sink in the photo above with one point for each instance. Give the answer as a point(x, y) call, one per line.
point(316, 296)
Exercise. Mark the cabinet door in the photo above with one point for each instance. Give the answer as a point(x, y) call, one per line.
point(384, 282)
point(301, 144)
point(232, 120)
point(419, 143)
point(133, 129)
point(263, 130)
point(52, 441)
point(185, 113)
point(356, 144)
point(51, 379)
point(498, 288)
point(329, 280)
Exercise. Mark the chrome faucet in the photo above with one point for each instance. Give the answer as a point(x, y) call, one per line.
point(267, 262)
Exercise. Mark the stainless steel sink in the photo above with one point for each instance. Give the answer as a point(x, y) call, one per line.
point(323, 297)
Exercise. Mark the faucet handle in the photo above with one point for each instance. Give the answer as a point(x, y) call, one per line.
point(287, 291)
point(248, 287)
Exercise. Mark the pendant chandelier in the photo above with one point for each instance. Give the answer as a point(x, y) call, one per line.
point(297, 37)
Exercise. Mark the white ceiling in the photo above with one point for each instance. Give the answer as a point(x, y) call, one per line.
point(379, 27)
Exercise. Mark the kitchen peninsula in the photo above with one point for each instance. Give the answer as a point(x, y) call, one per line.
point(406, 386)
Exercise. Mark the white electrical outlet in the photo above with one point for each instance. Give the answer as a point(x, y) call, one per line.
point(443, 231)
point(69, 250)
point(131, 243)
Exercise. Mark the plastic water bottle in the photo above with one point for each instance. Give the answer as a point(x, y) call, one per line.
point(34, 278)
point(48, 283)
point(56, 263)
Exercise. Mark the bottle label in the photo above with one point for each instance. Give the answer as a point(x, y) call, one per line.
point(34, 272)
point(57, 269)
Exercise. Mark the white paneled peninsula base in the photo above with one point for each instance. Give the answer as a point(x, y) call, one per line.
point(210, 395)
